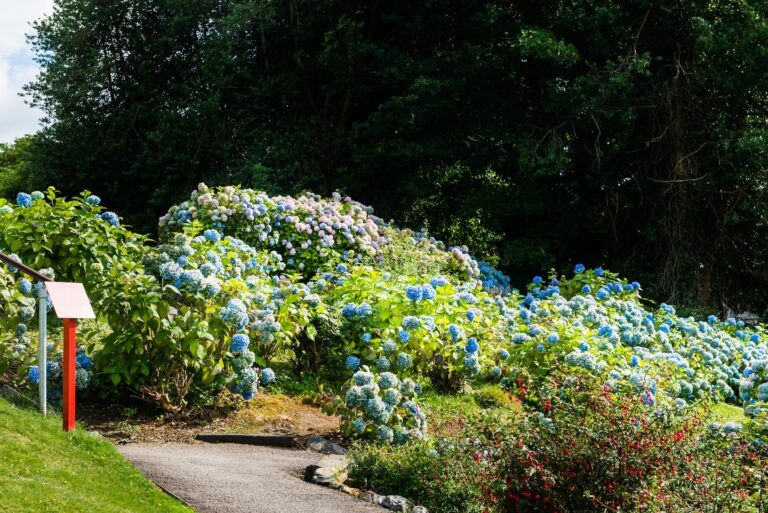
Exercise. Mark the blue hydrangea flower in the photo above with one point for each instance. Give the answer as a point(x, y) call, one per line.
point(93, 200)
point(389, 346)
point(388, 380)
point(411, 323)
point(413, 292)
point(537, 280)
point(579, 268)
point(267, 376)
point(471, 315)
point(25, 286)
point(403, 361)
point(634, 361)
point(603, 293)
point(384, 434)
point(212, 235)
point(341, 268)
point(358, 426)
point(403, 335)
point(363, 310)
point(762, 392)
point(362, 377)
point(33, 374)
point(349, 310)
point(503, 354)
point(383, 363)
point(111, 218)
point(235, 314)
point(599, 271)
point(352, 362)
point(455, 331)
point(170, 271)
point(553, 338)
point(428, 292)
point(584, 346)
point(239, 343)
point(84, 361)
point(472, 345)
point(540, 348)
point(586, 289)
point(367, 337)
point(23, 200)
point(496, 372)
point(438, 281)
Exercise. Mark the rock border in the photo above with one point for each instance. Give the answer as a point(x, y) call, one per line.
point(331, 472)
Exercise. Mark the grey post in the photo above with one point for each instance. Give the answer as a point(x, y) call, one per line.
point(42, 364)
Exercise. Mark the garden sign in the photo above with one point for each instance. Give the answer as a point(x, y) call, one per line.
point(70, 302)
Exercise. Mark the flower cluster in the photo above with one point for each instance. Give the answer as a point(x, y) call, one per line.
point(383, 407)
point(53, 372)
point(307, 230)
point(257, 309)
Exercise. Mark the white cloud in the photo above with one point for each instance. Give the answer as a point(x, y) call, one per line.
point(17, 66)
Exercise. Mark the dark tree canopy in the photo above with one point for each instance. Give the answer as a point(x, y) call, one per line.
point(627, 133)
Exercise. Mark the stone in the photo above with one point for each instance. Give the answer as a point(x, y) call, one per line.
point(397, 503)
point(373, 498)
point(319, 444)
point(420, 509)
point(325, 476)
point(309, 472)
point(354, 492)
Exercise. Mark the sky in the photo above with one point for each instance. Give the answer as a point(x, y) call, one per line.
point(17, 66)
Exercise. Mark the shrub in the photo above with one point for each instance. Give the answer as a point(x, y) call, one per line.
point(426, 326)
point(310, 232)
point(588, 451)
point(74, 237)
point(592, 448)
point(205, 313)
point(441, 480)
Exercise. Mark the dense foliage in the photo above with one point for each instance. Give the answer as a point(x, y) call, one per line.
point(324, 283)
point(628, 133)
point(579, 448)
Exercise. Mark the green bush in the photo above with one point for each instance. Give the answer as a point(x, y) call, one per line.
point(440, 481)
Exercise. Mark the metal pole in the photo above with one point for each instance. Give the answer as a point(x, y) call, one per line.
point(42, 357)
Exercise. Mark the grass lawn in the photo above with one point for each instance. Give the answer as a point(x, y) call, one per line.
point(45, 470)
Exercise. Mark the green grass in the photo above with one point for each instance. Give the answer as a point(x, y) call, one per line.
point(723, 412)
point(45, 470)
point(448, 413)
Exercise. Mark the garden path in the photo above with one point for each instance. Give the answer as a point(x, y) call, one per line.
point(228, 478)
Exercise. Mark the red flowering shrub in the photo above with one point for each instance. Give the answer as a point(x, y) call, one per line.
point(607, 451)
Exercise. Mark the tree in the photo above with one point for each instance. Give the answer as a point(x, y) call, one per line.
point(14, 165)
point(625, 133)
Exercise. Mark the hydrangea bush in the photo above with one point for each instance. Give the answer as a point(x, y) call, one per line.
point(307, 230)
point(428, 327)
point(243, 277)
point(214, 311)
point(383, 407)
point(17, 311)
point(311, 232)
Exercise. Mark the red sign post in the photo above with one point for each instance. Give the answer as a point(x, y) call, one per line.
point(70, 302)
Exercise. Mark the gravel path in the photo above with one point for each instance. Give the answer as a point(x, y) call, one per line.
point(228, 478)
